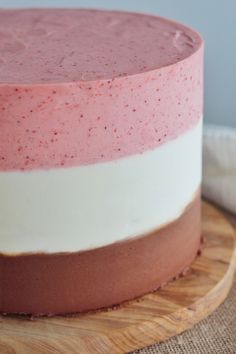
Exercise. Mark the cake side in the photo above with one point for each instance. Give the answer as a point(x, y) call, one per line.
point(100, 165)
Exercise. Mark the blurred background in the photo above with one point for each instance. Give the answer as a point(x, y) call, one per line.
point(215, 20)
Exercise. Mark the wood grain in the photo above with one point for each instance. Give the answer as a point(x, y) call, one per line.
point(152, 318)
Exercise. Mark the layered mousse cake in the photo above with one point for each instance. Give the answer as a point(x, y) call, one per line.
point(100, 157)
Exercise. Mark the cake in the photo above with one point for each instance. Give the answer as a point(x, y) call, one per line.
point(100, 157)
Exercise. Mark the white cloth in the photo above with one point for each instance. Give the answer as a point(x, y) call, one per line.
point(219, 166)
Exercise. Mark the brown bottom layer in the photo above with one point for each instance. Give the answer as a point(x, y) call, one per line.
point(75, 282)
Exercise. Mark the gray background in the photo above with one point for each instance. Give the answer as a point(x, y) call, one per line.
point(216, 20)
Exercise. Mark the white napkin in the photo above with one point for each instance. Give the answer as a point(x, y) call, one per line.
point(219, 165)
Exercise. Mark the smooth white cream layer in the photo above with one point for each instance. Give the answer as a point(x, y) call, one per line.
point(84, 207)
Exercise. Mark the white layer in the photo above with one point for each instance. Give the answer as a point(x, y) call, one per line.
point(78, 208)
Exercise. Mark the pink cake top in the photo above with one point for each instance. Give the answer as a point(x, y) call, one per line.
point(69, 90)
point(38, 46)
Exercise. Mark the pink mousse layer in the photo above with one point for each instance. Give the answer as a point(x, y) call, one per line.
point(83, 86)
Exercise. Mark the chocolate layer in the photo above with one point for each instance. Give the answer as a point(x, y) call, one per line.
point(75, 282)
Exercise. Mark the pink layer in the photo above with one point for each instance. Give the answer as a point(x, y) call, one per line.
point(47, 126)
point(55, 124)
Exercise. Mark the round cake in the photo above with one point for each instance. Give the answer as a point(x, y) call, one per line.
point(100, 157)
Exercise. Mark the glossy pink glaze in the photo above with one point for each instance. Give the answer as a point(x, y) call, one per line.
point(80, 87)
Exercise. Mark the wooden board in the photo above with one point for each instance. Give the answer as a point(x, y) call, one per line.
point(152, 318)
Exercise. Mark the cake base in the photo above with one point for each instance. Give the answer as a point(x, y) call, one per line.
point(138, 323)
point(68, 283)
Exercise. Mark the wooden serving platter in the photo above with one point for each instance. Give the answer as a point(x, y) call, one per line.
point(138, 323)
